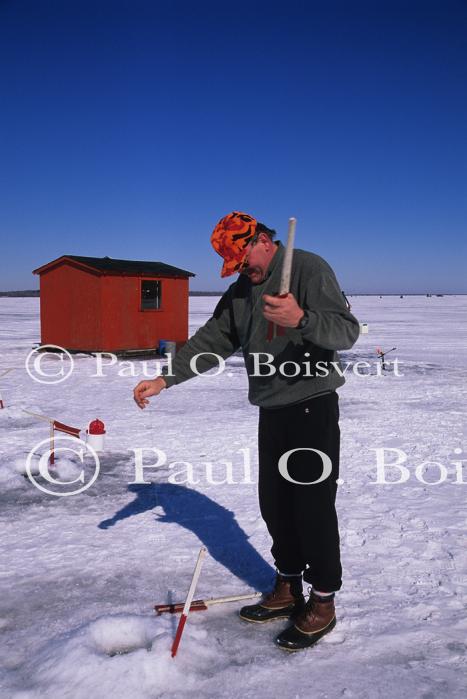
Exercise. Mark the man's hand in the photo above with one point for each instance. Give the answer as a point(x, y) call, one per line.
point(282, 311)
point(146, 389)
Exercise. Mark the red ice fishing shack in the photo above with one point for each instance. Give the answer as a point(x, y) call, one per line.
point(99, 304)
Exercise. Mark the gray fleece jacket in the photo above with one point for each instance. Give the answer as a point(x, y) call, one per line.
point(290, 368)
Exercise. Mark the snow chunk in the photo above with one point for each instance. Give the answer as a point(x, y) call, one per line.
point(19, 465)
point(120, 634)
point(67, 469)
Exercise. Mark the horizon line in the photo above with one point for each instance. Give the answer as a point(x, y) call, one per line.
point(206, 292)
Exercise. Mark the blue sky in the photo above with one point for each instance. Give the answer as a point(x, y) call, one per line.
point(129, 128)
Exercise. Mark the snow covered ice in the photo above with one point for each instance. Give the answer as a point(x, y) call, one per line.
point(80, 575)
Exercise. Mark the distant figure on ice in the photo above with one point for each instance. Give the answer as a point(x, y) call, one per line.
point(381, 355)
point(298, 410)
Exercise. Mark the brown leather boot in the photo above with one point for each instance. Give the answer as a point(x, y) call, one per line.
point(317, 619)
point(284, 601)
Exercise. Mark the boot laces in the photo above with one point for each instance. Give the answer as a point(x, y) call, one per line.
point(274, 592)
point(310, 604)
point(310, 599)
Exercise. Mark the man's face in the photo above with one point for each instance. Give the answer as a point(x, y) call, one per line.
point(258, 257)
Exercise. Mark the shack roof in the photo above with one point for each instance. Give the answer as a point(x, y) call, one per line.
point(110, 265)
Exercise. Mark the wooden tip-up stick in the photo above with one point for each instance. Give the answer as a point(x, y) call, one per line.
point(200, 605)
point(273, 329)
point(188, 601)
point(288, 255)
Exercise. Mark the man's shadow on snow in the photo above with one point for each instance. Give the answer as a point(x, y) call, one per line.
point(214, 525)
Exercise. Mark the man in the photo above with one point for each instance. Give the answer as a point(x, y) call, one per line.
point(293, 379)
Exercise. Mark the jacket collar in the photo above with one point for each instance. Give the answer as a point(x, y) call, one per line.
point(276, 262)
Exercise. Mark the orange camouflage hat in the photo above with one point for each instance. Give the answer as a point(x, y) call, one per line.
point(230, 239)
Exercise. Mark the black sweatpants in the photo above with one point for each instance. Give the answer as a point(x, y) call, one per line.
point(302, 519)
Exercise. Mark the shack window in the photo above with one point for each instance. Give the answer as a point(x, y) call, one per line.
point(150, 295)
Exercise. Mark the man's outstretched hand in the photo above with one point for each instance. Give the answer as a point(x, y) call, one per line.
point(283, 311)
point(146, 389)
